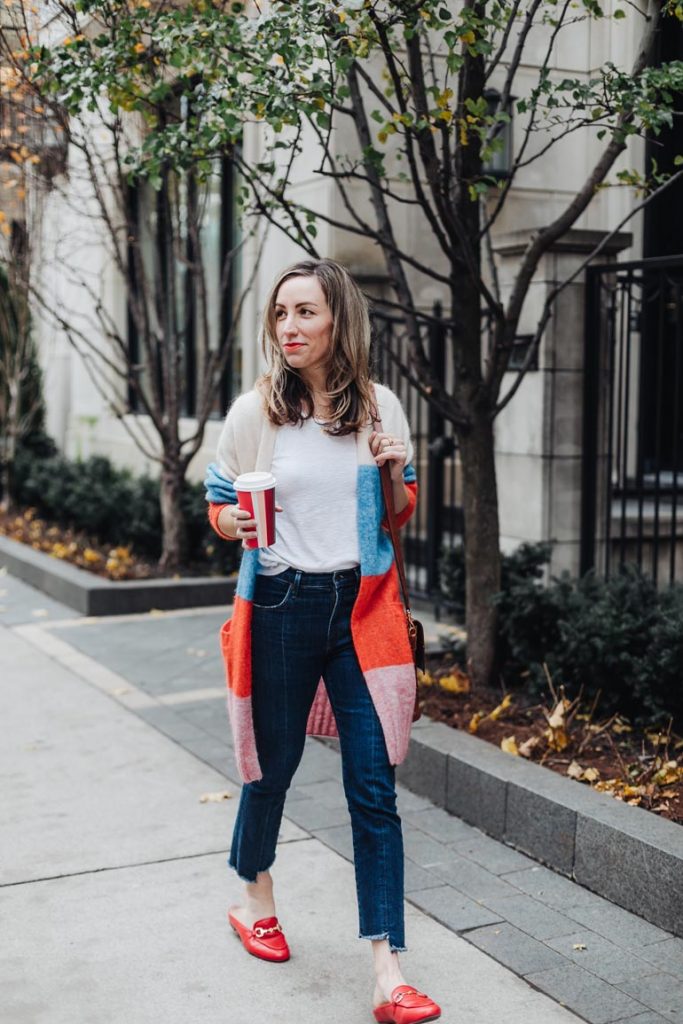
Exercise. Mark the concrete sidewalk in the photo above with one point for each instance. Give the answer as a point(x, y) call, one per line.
point(118, 726)
point(114, 884)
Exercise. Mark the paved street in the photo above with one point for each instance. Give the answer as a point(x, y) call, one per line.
point(114, 884)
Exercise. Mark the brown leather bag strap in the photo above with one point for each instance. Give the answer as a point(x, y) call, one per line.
point(388, 492)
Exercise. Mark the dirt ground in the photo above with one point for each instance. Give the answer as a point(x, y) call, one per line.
point(76, 547)
point(640, 767)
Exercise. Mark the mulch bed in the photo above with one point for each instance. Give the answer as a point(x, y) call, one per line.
point(76, 547)
point(643, 767)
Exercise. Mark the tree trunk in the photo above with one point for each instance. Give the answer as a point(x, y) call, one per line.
point(7, 499)
point(9, 449)
point(173, 525)
point(480, 497)
point(482, 551)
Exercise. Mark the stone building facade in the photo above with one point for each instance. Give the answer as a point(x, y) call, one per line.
point(539, 435)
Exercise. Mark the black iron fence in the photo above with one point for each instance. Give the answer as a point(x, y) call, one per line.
point(438, 524)
point(632, 490)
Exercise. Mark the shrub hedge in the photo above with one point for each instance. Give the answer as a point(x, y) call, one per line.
point(115, 506)
point(621, 638)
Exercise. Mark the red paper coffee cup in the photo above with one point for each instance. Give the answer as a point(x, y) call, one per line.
point(256, 495)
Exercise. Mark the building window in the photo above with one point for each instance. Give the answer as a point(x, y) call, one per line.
point(499, 162)
point(182, 282)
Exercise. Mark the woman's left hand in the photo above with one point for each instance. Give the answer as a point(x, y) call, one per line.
point(386, 448)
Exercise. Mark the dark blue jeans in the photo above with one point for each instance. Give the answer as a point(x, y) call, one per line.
point(301, 630)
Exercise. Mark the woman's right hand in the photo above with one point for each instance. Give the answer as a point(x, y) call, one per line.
point(237, 523)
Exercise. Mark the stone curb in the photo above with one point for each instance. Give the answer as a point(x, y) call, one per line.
point(92, 595)
point(626, 854)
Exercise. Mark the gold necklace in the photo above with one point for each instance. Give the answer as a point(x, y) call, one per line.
point(319, 416)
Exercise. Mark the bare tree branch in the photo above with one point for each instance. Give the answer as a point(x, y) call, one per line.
point(497, 57)
point(399, 281)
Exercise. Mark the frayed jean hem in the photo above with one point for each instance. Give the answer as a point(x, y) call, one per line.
point(380, 938)
point(249, 881)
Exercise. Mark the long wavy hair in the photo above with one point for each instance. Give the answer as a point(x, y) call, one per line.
point(348, 385)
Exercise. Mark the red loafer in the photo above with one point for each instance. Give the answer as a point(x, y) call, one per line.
point(407, 1006)
point(264, 940)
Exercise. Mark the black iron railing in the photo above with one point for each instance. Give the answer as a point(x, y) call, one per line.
point(437, 525)
point(632, 496)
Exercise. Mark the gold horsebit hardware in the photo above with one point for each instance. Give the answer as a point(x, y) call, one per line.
point(260, 932)
point(401, 995)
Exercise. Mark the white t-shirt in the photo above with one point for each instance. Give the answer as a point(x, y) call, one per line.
point(315, 483)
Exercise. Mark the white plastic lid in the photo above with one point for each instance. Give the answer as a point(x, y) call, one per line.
point(250, 482)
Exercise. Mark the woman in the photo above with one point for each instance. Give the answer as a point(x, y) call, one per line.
point(322, 603)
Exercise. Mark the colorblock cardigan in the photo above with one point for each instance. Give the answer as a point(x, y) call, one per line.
point(378, 624)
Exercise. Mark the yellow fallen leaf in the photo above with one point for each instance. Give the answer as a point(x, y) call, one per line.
point(621, 725)
point(501, 708)
point(629, 792)
point(528, 746)
point(424, 678)
point(558, 714)
point(457, 682)
point(575, 771)
point(670, 772)
point(591, 775)
point(215, 798)
point(557, 739)
point(476, 720)
point(509, 746)
point(606, 785)
point(120, 553)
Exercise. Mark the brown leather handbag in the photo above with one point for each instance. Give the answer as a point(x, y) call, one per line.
point(415, 630)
